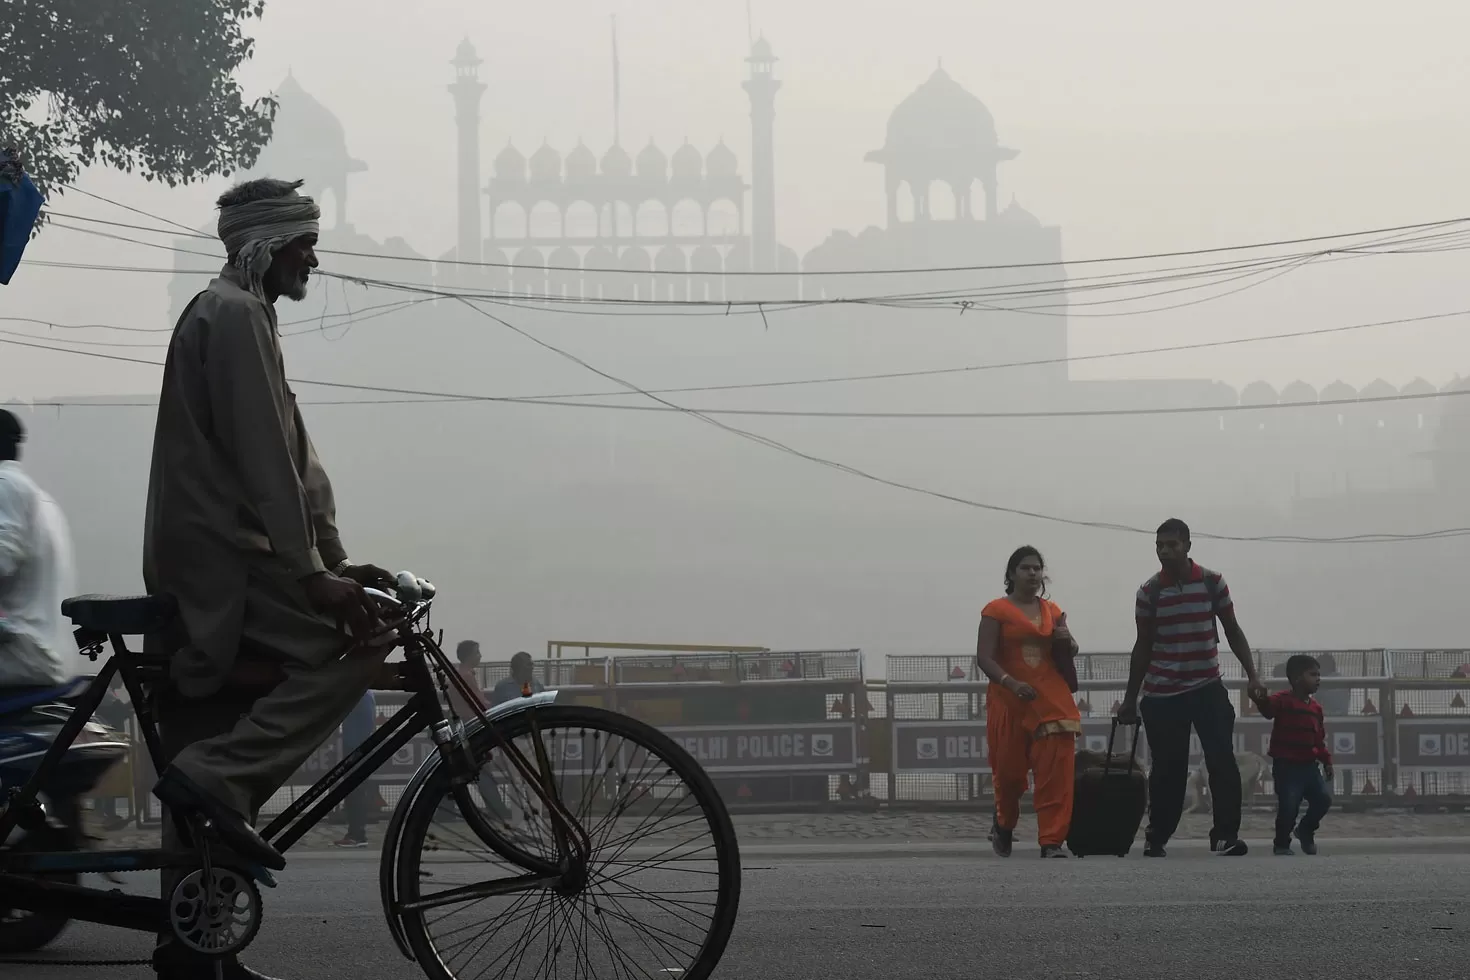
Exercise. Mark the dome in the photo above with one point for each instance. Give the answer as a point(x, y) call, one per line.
point(307, 140)
point(687, 163)
point(465, 54)
point(509, 164)
point(761, 50)
point(1339, 391)
point(941, 118)
point(1418, 387)
point(546, 164)
point(617, 163)
point(652, 164)
point(1298, 393)
point(1378, 388)
point(581, 164)
point(721, 162)
point(1258, 393)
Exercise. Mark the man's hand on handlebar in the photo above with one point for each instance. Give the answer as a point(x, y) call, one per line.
point(345, 599)
point(370, 576)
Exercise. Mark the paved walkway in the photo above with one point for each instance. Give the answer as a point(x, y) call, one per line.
point(906, 826)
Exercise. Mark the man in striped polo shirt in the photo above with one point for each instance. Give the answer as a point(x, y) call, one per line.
point(1176, 663)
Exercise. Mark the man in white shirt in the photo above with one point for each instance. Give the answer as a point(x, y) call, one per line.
point(36, 573)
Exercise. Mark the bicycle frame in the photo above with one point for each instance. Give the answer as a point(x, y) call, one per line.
point(421, 712)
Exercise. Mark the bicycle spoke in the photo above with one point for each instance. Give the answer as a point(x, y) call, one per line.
point(643, 907)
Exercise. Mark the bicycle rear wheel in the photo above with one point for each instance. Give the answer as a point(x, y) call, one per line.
point(658, 897)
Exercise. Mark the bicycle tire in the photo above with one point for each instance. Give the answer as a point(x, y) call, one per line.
point(33, 930)
point(437, 790)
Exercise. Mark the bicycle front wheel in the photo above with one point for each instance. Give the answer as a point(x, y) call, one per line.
point(657, 897)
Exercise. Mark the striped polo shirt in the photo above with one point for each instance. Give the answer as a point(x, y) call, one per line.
point(1186, 649)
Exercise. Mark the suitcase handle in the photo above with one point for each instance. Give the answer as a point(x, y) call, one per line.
point(1133, 755)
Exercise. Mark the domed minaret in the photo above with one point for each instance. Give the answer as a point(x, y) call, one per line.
point(467, 90)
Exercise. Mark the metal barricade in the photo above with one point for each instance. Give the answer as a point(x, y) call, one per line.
point(936, 721)
point(772, 728)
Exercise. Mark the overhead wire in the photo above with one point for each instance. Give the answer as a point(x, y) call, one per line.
point(708, 418)
point(1138, 257)
point(778, 446)
point(390, 308)
point(961, 299)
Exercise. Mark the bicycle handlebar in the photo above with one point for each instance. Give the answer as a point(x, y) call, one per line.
point(409, 591)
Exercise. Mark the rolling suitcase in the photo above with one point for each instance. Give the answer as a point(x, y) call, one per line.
point(1108, 803)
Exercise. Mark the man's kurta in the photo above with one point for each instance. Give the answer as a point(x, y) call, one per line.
point(239, 508)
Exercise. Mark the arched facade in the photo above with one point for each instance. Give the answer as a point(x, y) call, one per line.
point(617, 210)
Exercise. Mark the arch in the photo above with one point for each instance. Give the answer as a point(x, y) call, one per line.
point(559, 282)
point(635, 260)
point(509, 219)
point(580, 220)
point(1257, 393)
point(620, 220)
point(706, 286)
point(737, 259)
point(943, 203)
point(528, 277)
point(1418, 387)
point(1382, 415)
point(600, 285)
point(336, 207)
point(905, 201)
point(674, 288)
point(687, 218)
point(1299, 393)
point(651, 220)
point(1336, 392)
point(545, 220)
point(723, 217)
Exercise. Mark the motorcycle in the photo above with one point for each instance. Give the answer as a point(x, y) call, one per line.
point(28, 725)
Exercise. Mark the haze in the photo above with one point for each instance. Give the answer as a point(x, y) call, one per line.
point(1141, 129)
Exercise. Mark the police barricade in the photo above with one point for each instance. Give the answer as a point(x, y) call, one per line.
point(580, 681)
point(1431, 726)
point(935, 722)
point(772, 728)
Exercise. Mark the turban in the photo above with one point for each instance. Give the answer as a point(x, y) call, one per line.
point(252, 232)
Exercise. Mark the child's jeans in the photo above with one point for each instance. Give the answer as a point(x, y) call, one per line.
point(1295, 782)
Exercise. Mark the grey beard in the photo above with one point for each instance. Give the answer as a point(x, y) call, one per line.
point(297, 292)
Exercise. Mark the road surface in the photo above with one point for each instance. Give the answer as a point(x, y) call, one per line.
point(1379, 909)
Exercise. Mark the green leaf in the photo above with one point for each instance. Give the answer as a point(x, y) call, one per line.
point(143, 86)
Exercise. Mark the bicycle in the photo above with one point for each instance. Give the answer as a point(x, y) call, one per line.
point(583, 871)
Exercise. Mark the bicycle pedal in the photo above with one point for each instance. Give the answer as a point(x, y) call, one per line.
point(261, 875)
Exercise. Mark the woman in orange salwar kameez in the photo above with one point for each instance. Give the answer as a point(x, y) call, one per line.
point(1032, 721)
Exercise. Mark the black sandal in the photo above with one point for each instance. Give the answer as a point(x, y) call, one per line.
point(183, 795)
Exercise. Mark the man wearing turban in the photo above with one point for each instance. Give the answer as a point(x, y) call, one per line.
point(240, 528)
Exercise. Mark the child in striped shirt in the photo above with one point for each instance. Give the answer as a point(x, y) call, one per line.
point(1298, 746)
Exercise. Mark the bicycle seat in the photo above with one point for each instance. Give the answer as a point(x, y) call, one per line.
point(130, 615)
